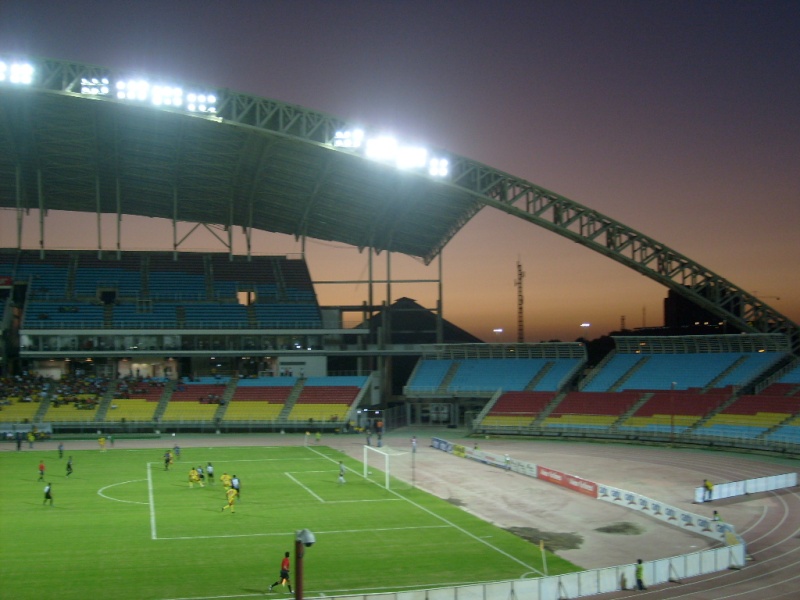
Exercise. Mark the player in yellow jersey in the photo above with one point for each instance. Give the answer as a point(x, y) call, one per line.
point(231, 494)
point(194, 477)
point(226, 480)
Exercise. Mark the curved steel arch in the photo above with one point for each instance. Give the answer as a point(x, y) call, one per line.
point(625, 245)
point(443, 206)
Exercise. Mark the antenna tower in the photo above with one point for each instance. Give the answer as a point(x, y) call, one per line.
point(520, 304)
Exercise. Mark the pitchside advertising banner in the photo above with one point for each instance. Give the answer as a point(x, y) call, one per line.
point(748, 486)
point(703, 525)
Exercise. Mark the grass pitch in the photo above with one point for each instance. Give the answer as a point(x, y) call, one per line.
point(123, 527)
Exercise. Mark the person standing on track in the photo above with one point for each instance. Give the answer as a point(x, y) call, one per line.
point(708, 490)
point(283, 578)
point(640, 575)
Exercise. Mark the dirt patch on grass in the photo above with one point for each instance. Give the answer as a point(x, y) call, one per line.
point(621, 528)
point(553, 540)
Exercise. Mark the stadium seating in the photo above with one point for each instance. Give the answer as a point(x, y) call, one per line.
point(131, 410)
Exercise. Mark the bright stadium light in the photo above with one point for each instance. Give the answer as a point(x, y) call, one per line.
point(165, 95)
point(15, 72)
point(439, 167)
point(410, 157)
point(94, 86)
point(384, 148)
point(348, 139)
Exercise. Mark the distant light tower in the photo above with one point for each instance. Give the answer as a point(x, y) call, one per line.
point(585, 326)
point(498, 331)
point(520, 304)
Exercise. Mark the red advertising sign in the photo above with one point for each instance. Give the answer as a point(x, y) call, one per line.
point(576, 484)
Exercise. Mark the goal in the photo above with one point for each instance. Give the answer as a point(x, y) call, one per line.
point(389, 468)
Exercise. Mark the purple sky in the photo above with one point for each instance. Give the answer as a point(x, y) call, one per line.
point(679, 119)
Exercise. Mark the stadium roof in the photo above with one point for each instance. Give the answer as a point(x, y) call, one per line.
point(81, 138)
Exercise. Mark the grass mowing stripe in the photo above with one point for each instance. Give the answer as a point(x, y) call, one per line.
point(151, 501)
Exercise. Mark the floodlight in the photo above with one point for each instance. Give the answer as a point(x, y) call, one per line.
point(410, 157)
point(382, 148)
point(348, 138)
point(439, 167)
point(16, 72)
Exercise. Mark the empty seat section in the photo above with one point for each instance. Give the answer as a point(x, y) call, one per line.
point(612, 372)
point(517, 409)
point(591, 409)
point(63, 315)
point(429, 374)
point(488, 375)
point(673, 411)
point(685, 371)
point(131, 410)
point(18, 411)
point(130, 315)
point(210, 316)
point(194, 402)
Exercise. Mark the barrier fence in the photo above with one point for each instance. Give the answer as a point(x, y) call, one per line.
point(730, 489)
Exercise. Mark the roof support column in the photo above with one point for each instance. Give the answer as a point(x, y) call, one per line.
point(20, 212)
point(174, 222)
point(440, 303)
point(119, 220)
point(99, 218)
point(387, 317)
point(230, 230)
point(371, 298)
point(40, 194)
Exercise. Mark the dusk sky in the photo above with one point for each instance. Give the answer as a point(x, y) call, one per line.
point(679, 119)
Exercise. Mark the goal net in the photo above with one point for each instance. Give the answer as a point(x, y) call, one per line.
point(388, 467)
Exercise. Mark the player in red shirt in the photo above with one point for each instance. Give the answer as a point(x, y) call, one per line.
point(283, 578)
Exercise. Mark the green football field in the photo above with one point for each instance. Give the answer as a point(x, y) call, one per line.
point(124, 527)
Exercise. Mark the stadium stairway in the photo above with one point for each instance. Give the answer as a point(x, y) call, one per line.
point(539, 420)
point(703, 420)
point(713, 383)
point(106, 400)
point(227, 396)
point(531, 387)
point(448, 378)
point(631, 411)
point(169, 387)
point(291, 400)
point(43, 406)
point(627, 374)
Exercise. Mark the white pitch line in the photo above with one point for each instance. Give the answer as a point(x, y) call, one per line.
point(284, 534)
point(102, 489)
point(289, 475)
point(153, 533)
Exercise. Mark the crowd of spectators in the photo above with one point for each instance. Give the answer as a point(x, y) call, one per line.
point(81, 390)
point(133, 387)
point(23, 388)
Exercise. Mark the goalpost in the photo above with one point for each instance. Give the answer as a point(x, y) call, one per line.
point(397, 467)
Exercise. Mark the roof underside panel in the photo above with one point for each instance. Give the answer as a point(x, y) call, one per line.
point(76, 153)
